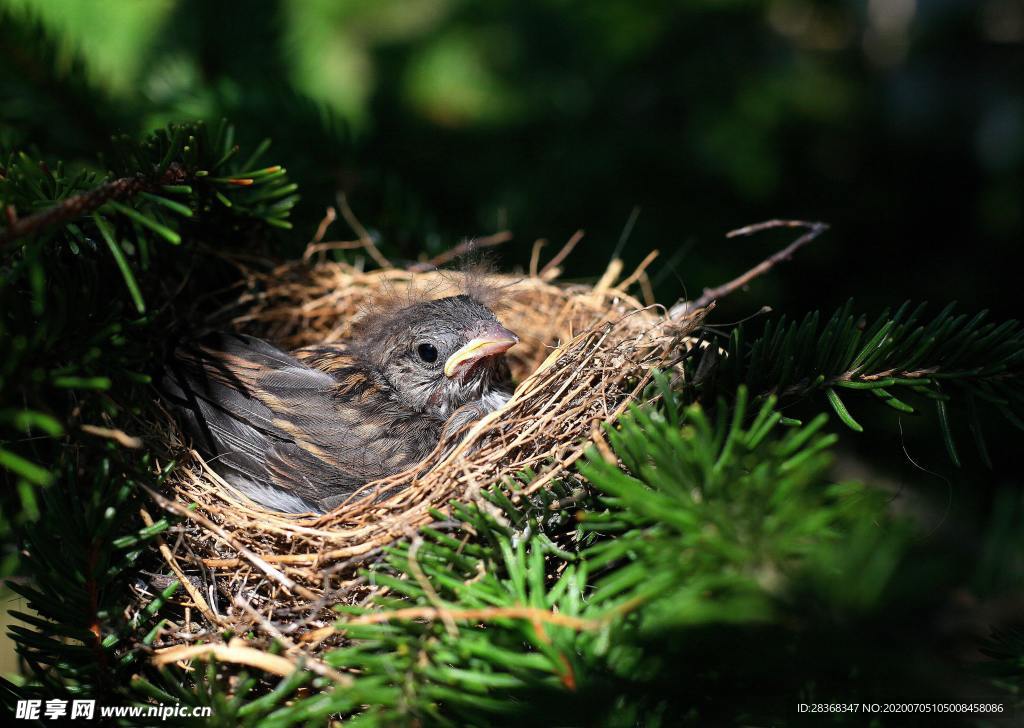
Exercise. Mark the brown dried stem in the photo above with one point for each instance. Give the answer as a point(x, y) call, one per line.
point(814, 229)
point(483, 614)
point(364, 235)
point(235, 652)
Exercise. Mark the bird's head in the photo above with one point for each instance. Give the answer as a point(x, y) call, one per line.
point(438, 355)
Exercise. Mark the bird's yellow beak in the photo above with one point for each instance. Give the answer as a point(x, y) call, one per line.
point(495, 342)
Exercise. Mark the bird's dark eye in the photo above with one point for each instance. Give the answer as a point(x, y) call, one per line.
point(427, 352)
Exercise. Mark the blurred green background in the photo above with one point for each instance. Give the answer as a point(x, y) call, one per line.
point(900, 122)
point(649, 124)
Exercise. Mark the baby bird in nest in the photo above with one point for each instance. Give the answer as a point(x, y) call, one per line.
point(300, 432)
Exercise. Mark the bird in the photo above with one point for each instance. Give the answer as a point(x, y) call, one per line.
point(300, 431)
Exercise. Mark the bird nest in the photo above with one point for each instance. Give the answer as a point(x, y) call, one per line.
point(586, 353)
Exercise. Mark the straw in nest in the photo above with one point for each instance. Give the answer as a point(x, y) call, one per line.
point(586, 352)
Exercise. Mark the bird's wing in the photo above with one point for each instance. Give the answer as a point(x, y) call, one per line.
point(331, 358)
point(285, 433)
point(383, 436)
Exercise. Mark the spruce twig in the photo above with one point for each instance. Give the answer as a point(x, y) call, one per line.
point(85, 203)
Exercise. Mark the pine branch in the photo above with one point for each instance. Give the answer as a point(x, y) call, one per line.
point(77, 293)
point(705, 521)
point(76, 631)
point(85, 203)
point(179, 180)
point(959, 354)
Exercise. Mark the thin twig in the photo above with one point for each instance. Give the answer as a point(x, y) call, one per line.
point(186, 583)
point(814, 229)
point(610, 275)
point(314, 248)
point(210, 526)
point(235, 652)
point(535, 256)
point(119, 436)
point(311, 663)
point(317, 245)
point(428, 588)
point(362, 232)
point(482, 614)
point(466, 246)
point(330, 215)
point(633, 277)
point(549, 269)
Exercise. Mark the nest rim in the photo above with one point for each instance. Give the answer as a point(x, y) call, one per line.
point(597, 335)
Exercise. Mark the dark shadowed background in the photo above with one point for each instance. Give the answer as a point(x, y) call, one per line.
point(650, 125)
point(900, 122)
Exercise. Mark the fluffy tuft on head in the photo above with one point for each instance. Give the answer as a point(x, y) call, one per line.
point(473, 276)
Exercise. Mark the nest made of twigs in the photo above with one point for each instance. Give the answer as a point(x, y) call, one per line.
point(586, 352)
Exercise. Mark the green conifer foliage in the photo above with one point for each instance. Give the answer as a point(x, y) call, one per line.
point(703, 568)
